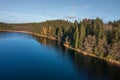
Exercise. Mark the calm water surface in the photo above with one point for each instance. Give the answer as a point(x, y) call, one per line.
point(27, 57)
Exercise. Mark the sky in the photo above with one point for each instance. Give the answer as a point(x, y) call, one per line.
point(24, 11)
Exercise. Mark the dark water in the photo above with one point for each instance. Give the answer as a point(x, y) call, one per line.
point(27, 57)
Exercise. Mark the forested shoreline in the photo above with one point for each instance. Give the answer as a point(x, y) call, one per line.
point(91, 35)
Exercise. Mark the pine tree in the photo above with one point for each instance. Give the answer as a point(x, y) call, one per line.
point(117, 36)
point(82, 34)
point(99, 29)
point(75, 36)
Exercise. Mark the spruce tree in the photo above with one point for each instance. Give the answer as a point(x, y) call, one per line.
point(82, 34)
point(75, 36)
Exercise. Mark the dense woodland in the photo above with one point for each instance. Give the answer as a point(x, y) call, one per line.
point(92, 35)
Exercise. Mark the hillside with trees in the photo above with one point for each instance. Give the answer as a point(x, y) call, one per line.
point(91, 35)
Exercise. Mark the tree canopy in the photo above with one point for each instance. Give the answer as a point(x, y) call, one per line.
point(92, 35)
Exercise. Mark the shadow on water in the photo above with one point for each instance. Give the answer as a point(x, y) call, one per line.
point(95, 69)
point(87, 67)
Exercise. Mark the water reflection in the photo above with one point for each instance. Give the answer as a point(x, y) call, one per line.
point(45, 59)
point(12, 35)
point(94, 68)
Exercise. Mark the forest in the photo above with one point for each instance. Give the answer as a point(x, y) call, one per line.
point(92, 35)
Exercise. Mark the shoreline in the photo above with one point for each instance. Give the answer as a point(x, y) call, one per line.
point(92, 55)
point(67, 46)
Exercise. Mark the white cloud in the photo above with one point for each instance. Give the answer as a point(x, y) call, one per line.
point(74, 7)
point(12, 17)
point(84, 6)
point(71, 17)
point(108, 11)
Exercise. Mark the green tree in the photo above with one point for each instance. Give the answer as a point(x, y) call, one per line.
point(98, 28)
point(75, 36)
point(82, 33)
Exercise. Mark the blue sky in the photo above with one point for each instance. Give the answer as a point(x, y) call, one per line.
point(22, 11)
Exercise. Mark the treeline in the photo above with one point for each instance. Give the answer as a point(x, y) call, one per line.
point(4, 26)
point(92, 35)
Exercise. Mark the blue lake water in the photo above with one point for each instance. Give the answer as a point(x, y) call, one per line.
point(28, 57)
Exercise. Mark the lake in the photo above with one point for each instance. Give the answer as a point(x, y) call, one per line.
point(28, 57)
